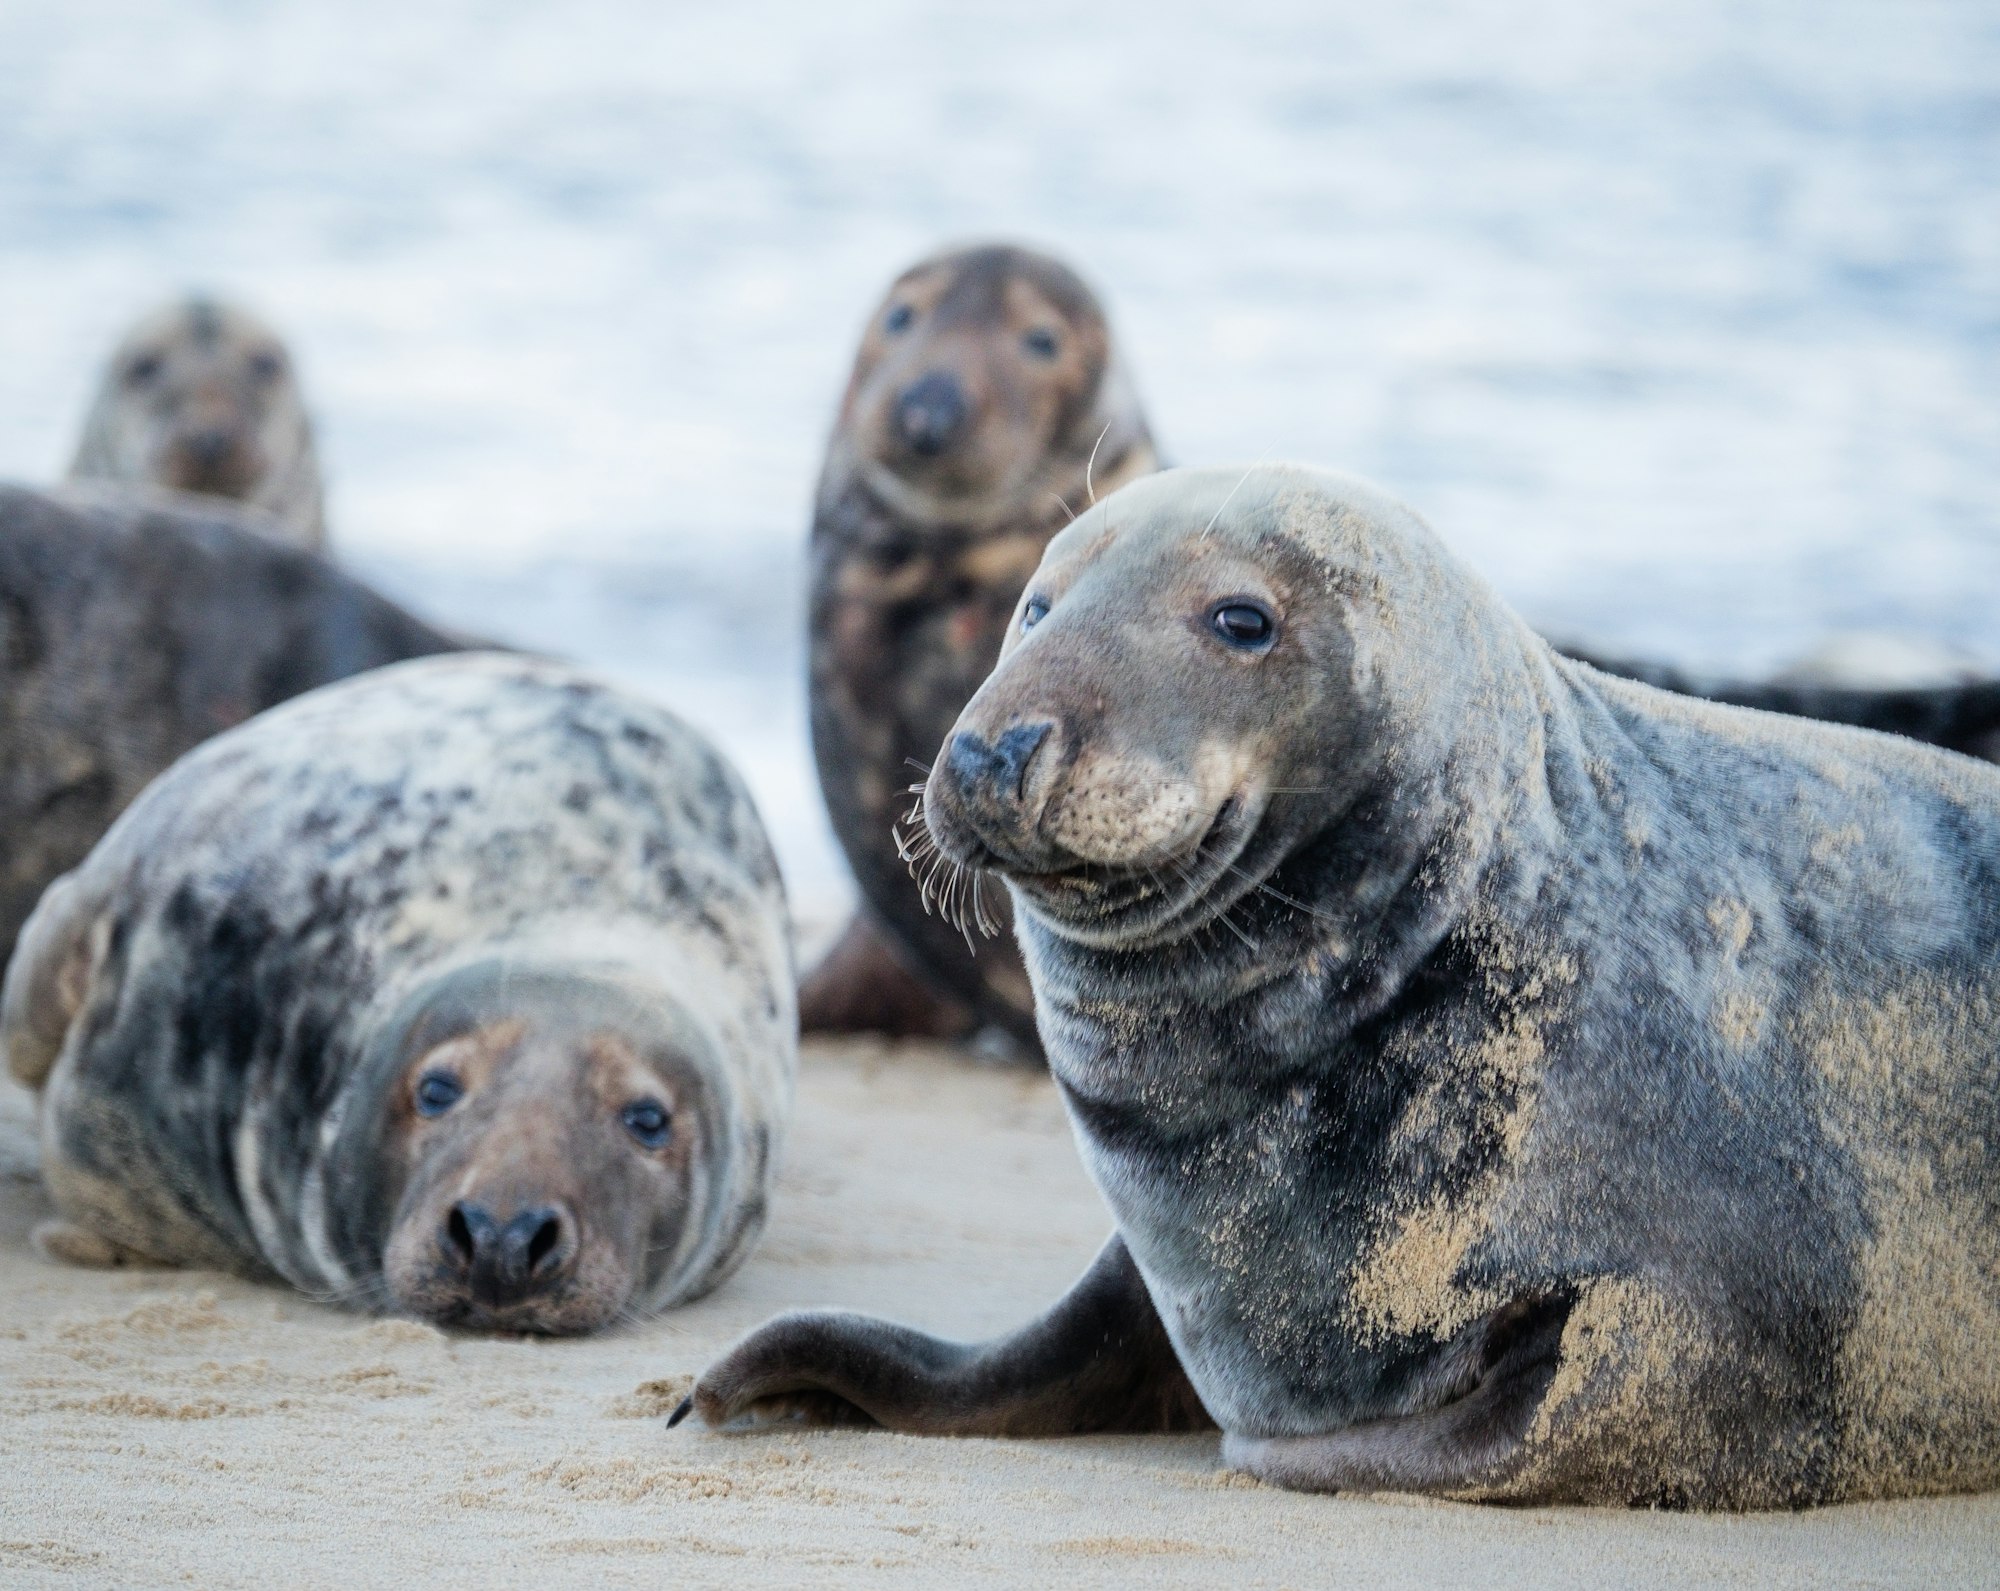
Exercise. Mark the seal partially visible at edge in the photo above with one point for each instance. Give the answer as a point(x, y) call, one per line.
point(133, 626)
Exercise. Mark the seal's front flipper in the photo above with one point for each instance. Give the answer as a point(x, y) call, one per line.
point(1098, 1361)
point(66, 1243)
point(48, 978)
point(860, 987)
point(1468, 1445)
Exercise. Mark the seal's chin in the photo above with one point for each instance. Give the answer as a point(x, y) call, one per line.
point(426, 1276)
point(919, 490)
point(1132, 907)
point(553, 1318)
point(230, 470)
point(572, 1313)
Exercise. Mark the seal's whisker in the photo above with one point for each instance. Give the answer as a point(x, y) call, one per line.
point(1222, 917)
point(989, 926)
point(1212, 518)
point(959, 878)
point(948, 889)
point(1062, 502)
point(1089, 464)
point(369, 1295)
point(1261, 887)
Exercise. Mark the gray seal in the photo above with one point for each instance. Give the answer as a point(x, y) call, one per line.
point(988, 402)
point(462, 990)
point(202, 396)
point(1958, 709)
point(132, 627)
point(1509, 1082)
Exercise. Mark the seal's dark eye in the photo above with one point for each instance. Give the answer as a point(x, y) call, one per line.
point(1041, 342)
point(898, 318)
point(1243, 624)
point(265, 365)
point(1033, 614)
point(437, 1092)
point(142, 369)
point(648, 1121)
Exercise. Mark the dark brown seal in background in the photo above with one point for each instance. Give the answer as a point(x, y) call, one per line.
point(987, 405)
point(202, 396)
point(134, 626)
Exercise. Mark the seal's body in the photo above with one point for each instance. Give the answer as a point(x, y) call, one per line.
point(132, 627)
point(987, 403)
point(203, 397)
point(1509, 1082)
point(462, 989)
point(1874, 687)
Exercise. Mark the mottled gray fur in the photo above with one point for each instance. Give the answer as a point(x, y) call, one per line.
point(132, 627)
point(1511, 1082)
point(221, 1004)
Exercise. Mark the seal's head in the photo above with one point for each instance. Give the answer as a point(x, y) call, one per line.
point(548, 1151)
point(1206, 667)
point(985, 379)
point(202, 397)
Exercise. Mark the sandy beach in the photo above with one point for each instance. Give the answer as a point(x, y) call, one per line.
point(189, 1428)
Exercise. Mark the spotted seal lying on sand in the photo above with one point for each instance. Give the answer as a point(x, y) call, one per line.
point(202, 396)
point(462, 989)
point(987, 403)
point(132, 627)
point(1508, 1081)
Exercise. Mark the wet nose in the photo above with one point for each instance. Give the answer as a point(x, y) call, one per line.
point(996, 768)
point(507, 1261)
point(210, 446)
point(931, 413)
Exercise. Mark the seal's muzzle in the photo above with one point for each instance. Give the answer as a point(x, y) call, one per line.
point(506, 1263)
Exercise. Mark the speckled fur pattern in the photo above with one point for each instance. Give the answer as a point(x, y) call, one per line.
point(913, 585)
point(216, 1005)
point(1530, 1086)
point(201, 396)
point(133, 626)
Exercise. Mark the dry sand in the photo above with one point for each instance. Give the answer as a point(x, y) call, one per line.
point(187, 1428)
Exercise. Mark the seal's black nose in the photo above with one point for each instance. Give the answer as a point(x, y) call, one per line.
point(998, 768)
point(504, 1264)
point(210, 447)
point(930, 413)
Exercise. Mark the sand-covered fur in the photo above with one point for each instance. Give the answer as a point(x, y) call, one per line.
point(462, 989)
point(1509, 1082)
point(202, 396)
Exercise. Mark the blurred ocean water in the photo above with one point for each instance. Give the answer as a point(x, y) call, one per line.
point(1682, 321)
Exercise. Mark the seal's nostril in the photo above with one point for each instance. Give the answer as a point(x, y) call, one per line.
point(209, 447)
point(930, 413)
point(530, 1247)
point(1015, 750)
point(466, 1230)
point(542, 1246)
point(1001, 767)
